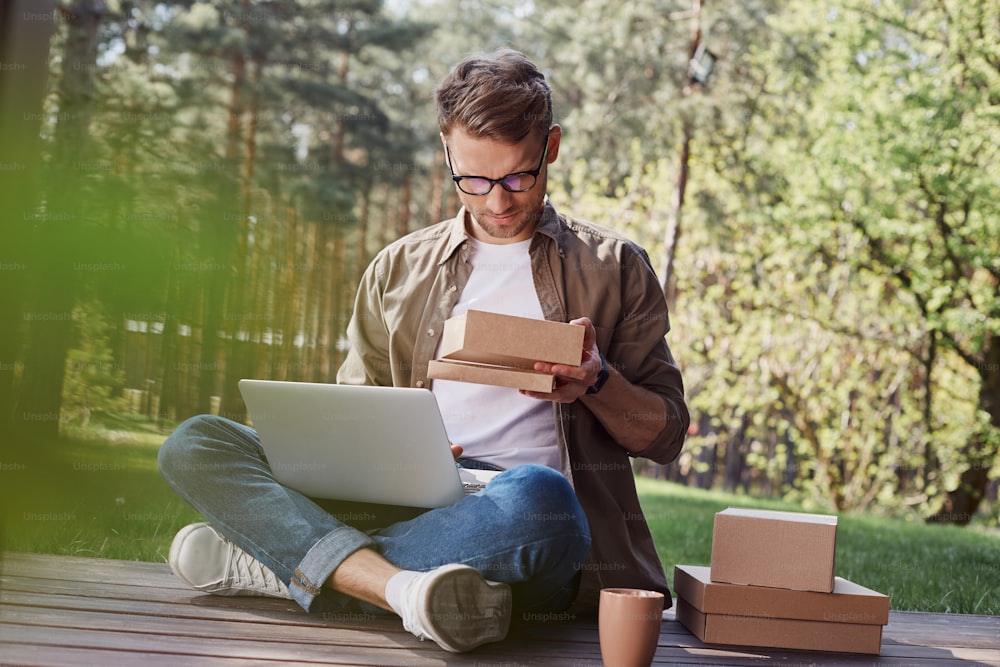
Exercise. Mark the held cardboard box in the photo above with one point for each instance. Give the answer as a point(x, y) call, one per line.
point(507, 340)
point(778, 549)
point(499, 376)
point(489, 348)
point(849, 619)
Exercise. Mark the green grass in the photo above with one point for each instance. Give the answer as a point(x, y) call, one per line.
point(100, 497)
point(920, 567)
point(103, 497)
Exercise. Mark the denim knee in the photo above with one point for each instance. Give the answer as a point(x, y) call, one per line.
point(549, 503)
point(174, 447)
point(179, 453)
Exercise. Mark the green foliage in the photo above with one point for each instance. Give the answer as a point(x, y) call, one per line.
point(93, 380)
point(837, 269)
point(902, 159)
point(194, 155)
point(216, 176)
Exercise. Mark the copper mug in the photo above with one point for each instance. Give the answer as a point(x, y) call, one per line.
point(628, 622)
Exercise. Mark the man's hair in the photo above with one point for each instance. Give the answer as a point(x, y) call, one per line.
point(502, 97)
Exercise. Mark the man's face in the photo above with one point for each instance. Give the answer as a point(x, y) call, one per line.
point(501, 216)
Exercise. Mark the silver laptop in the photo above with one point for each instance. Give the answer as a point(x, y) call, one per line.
point(360, 443)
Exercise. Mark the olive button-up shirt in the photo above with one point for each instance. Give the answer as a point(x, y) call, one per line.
point(579, 269)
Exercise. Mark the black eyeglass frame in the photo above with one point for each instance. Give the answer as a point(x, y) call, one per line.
point(503, 179)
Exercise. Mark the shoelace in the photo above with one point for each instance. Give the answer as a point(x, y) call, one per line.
point(248, 573)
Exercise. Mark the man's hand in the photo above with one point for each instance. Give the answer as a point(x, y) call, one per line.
point(456, 450)
point(572, 382)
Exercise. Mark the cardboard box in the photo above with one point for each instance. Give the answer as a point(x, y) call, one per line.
point(501, 350)
point(778, 549)
point(848, 603)
point(848, 620)
point(498, 376)
point(732, 629)
point(506, 340)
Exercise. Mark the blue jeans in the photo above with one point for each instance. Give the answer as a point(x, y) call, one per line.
point(526, 529)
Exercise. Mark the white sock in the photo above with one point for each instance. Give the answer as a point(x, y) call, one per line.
point(395, 588)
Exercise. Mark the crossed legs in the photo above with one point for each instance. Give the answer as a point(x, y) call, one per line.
point(526, 529)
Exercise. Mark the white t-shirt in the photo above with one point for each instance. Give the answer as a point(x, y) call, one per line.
point(519, 429)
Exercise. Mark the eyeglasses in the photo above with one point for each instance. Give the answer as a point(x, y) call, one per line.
point(521, 181)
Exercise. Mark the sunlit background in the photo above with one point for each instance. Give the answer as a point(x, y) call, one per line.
point(190, 191)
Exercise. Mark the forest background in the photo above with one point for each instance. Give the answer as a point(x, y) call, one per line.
point(190, 191)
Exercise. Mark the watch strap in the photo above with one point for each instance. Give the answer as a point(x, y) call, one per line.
point(602, 377)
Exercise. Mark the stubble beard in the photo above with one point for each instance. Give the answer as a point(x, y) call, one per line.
point(528, 218)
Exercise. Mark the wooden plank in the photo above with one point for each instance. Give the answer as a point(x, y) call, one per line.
point(336, 648)
point(576, 652)
point(270, 612)
point(182, 648)
point(90, 613)
point(188, 606)
point(28, 655)
point(376, 634)
point(76, 572)
point(904, 630)
point(77, 644)
point(119, 630)
point(97, 570)
point(943, 630)
point(57, 610)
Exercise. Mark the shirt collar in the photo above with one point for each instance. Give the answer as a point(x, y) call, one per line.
point(548, 225)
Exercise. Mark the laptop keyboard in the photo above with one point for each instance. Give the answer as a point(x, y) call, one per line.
point(473, 487)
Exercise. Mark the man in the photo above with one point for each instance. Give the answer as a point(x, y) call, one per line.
point(562, 520)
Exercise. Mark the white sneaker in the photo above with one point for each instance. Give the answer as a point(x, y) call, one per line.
point(457, 608)
point(206, 561)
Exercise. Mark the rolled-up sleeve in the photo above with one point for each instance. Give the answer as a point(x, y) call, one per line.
point(367, 360)
point(640, 349)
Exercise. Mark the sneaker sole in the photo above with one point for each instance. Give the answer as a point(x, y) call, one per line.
point(215, 588)
point(462, 610)
point(175, 548)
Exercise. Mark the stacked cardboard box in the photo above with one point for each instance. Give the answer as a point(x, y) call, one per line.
point(501, 350)
point(771, 583)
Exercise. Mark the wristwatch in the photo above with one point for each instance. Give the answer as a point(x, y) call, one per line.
point(602, 377)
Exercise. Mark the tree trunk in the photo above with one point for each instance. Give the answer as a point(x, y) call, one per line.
point(21, 93)
point(673, 235)
point(386, 228)
point(216, 237)
point(287, 366)
point(324, 300)
point(735, 460)
point(338, 272)
point(403, 221)
point(435, 205)
point(674, 225)
point(980, 453)
point(362, 242)
point(313, 300)
point(241, 281)
point(58, 236)
point(170, 360)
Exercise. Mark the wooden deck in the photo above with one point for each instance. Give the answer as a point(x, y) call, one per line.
point(57, 610)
